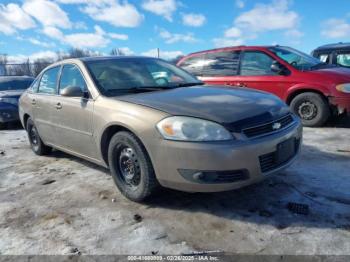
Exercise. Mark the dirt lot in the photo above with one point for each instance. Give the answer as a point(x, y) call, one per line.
point(61, 205)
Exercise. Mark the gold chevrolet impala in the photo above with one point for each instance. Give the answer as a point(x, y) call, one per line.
point(153, 124)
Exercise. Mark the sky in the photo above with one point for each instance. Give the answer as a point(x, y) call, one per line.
point(41, 28)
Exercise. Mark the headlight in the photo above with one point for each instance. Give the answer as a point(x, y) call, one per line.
point(9, 100)
point(182, 128)
point(345, 88)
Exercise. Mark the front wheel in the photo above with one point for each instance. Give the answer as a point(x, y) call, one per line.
point(35, 141)
point(131, 167)
point(312, 108)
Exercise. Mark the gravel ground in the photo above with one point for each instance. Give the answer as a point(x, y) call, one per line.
point(61, 205)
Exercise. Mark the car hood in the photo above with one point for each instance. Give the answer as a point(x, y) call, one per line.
point(234, 108)
point(11, 93)
point(335, 74)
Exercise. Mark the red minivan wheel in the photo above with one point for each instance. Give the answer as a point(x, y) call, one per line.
point(312, 108)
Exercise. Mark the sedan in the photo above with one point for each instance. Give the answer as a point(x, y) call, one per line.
point(11, 88)
point(153, 124)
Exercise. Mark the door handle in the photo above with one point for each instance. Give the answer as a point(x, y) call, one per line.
point(33, 102)
point(240, 84)
point(58, 105)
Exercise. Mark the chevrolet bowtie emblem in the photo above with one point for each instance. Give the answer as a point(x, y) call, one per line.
point(276, 126)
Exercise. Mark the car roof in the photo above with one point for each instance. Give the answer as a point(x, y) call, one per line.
point(11, 78)
point(242, 47)
point(337, 46)
point(96, 58)
point(101, 58)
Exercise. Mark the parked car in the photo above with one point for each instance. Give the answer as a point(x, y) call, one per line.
point(151, 130)
point(314, 90)
point(334, 54)
point(11, 87)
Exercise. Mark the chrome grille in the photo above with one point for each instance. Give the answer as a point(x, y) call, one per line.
point(270, 127)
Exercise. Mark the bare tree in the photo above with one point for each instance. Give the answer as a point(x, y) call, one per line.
point(23, 69)
point(117, 52)
point(39, 65)
point(3, 63)
point(176, 59)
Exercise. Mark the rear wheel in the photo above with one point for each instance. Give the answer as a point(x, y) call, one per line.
point(312, 108)
point(131, 167)
point(2, 126)
point(35, 141)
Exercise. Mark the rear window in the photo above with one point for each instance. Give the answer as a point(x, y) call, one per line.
point(194, 64)
point(15, 84)
point(225, 63)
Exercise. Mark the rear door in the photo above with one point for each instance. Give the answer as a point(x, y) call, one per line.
point(255, 72)
point(221, 68)
point(74, 115)
point(43, 105)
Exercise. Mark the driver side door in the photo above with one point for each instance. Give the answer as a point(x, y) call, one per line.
point(255, 72)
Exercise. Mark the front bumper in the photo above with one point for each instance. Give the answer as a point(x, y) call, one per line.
point(341, 103)
point(173, 159)
point(8, 113)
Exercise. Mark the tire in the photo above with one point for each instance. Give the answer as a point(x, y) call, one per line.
point(2, 126)
point(131, 167)
point(35, 141)
point(312, 108)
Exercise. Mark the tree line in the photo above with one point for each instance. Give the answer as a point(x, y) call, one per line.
point(33, 68)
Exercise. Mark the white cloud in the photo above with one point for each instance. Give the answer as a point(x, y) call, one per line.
point(240, 3)
point(53, 32)
point(97, 39)
point(222, 42)
point(233, 32)
point(294, 33)
point(267, 17)
point(171, 38)
point(48, 13)
point(12, 17)
point(126, 51)
point(118, 36)
point(195, 20)
point(163, 54)
point(87, 40)
point(38, 55)
point(164, 8)
point(113, 12)
point(336, 28)
point(262, 18)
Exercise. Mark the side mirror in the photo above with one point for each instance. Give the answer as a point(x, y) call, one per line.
point(279, 68)
point(72, 91)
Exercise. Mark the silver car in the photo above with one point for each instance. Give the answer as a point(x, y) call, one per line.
point(153, 124)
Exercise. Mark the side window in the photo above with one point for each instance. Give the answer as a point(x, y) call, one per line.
point(34, 86)
point(343, 59)
point(71, 76)
point(324, 58)
point(194, 65)
point(48, 81)
point(221, 64)
point(256, 64)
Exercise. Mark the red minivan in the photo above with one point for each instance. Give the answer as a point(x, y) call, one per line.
point(314, 90)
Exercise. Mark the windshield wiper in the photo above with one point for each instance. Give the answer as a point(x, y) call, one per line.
point(188, 84)
point(137, 89)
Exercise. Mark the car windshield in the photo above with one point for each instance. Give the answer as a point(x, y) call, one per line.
point(295, 58)
point(125, 75)
point(6, 85)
